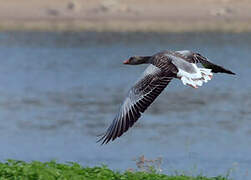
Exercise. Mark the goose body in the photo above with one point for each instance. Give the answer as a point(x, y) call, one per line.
point(164, 66)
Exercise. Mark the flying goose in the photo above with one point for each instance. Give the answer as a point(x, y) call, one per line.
point(164, 66)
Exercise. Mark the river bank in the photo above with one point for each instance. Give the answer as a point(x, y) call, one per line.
point(13, 169)
point(126, 15)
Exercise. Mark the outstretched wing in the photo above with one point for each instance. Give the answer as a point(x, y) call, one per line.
point(198, 58)
point(140, 96)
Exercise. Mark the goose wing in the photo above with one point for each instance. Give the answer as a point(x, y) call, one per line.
point(140, 96)
point(198, 58)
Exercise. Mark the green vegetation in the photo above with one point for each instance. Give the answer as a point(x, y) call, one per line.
point(16, 170)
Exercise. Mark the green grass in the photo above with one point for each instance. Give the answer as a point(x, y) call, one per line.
point(19, 170)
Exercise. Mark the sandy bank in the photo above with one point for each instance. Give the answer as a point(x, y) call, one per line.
point(126, 15)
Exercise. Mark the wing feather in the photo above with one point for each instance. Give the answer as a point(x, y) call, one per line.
point(192, 57)
point(140, 96)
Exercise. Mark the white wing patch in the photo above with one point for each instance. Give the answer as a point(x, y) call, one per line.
point(202, 75)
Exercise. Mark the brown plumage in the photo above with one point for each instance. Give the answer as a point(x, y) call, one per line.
point(164, 66)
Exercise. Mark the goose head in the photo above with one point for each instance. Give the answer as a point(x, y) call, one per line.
point(134, 60)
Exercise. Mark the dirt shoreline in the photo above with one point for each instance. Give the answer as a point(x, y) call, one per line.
point(126, 15)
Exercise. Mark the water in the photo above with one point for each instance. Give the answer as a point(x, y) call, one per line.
point(59, 90)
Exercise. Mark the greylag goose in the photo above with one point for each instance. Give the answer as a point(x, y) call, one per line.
point(164, 66)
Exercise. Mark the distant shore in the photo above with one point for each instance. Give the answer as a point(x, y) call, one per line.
point(126, 15)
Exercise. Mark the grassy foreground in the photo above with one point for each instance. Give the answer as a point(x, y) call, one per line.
point(16, 170)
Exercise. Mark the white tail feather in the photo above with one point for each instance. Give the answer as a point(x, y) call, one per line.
point(203, 75)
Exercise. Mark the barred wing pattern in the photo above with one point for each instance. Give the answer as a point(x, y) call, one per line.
point(140, 96)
